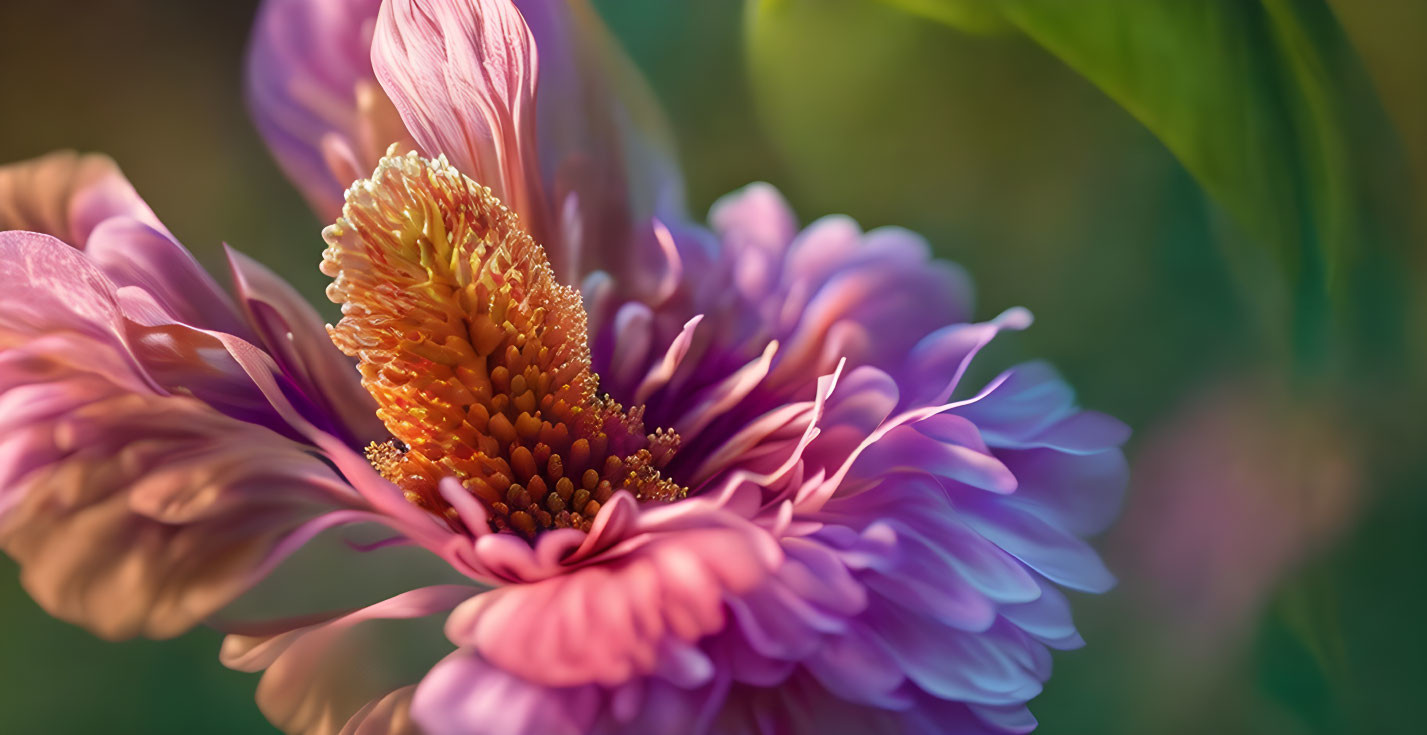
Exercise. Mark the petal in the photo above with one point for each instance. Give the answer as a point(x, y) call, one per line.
point(314, 97)
point(150, 513)
point(604, 145)
point(132, 509)
point(1050, 550)
point(936, 364)
point(322, 677)
point(1081, 493)
point(756, 217)
point(390, 715)
point(462, 74)
point(670, 587)
point(466, 695)
point(66, 195)
point(992, 667)
point(904, 449)
point(132, 253)
point(294, 334)
point(1033, 407)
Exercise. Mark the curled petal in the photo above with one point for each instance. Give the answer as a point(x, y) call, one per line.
point(132, 253)
point(66, 195)
point(669, 589)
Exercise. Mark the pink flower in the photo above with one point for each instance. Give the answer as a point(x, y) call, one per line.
point(736, 486)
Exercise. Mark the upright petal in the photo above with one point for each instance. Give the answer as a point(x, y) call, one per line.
point(462, 74)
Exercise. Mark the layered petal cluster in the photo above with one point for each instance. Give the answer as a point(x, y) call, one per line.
point(737, 482)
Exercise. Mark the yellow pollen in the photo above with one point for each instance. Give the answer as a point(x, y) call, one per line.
point(477, 357)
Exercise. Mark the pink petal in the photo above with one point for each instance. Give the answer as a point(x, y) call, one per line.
point(132, 253)
point(462, 74)
point(669, 588)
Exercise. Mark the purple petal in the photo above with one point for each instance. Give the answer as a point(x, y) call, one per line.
point(314, 97)
point(604, 145)
point(294, 335)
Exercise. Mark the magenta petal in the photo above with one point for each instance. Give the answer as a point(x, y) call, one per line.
point(466, 695)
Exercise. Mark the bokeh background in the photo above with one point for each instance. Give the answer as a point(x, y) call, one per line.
point(1213, 207)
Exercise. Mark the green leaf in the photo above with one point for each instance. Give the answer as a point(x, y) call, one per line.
point(971, 15)
point(1260, 100)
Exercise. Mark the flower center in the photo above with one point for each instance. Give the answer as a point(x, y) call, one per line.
point(477, 357)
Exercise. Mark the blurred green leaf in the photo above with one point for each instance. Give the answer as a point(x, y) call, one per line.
point(1256, 98)
point(971, 15)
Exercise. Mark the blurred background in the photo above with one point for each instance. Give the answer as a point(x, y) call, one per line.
point(1214, 208)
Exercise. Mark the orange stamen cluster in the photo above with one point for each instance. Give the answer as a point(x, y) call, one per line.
point(478, 358)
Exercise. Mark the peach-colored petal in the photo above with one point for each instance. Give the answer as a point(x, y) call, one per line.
point(390, 715)
point(153, 512)
point(66, 194)
point(348, 673)
point(132, 506)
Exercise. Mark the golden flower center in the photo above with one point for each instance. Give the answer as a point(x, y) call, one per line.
point(477, 357)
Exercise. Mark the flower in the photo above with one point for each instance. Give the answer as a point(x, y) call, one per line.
point(734, 484)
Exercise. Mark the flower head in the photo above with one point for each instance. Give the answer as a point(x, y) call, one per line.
point(734, 484)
